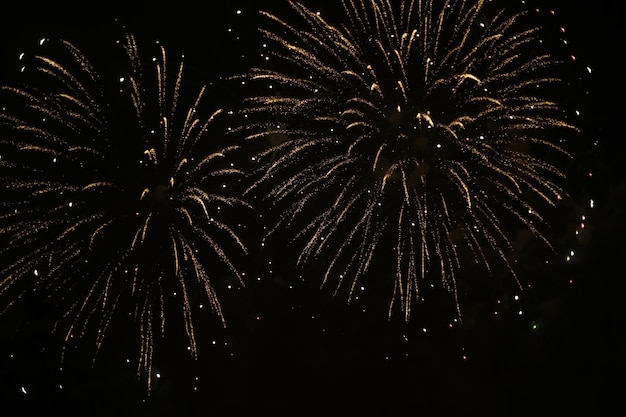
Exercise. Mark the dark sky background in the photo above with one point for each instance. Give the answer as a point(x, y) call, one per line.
point(291, 350)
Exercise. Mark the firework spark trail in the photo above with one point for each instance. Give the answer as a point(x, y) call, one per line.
point(427, 115)
point(111, 201)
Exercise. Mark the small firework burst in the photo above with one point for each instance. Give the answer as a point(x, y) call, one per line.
point(115, 193)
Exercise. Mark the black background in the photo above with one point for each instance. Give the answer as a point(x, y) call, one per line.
point(295, 351)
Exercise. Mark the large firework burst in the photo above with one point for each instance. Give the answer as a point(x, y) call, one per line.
point(115, 193)
point(419, 131)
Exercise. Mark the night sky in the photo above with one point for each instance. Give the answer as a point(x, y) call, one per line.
point(290, 348)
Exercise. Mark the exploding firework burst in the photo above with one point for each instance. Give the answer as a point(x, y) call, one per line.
point(419, 131)
point(115, 193)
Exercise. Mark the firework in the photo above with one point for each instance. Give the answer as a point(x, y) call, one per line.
point(115, 192)
point(417, 131)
